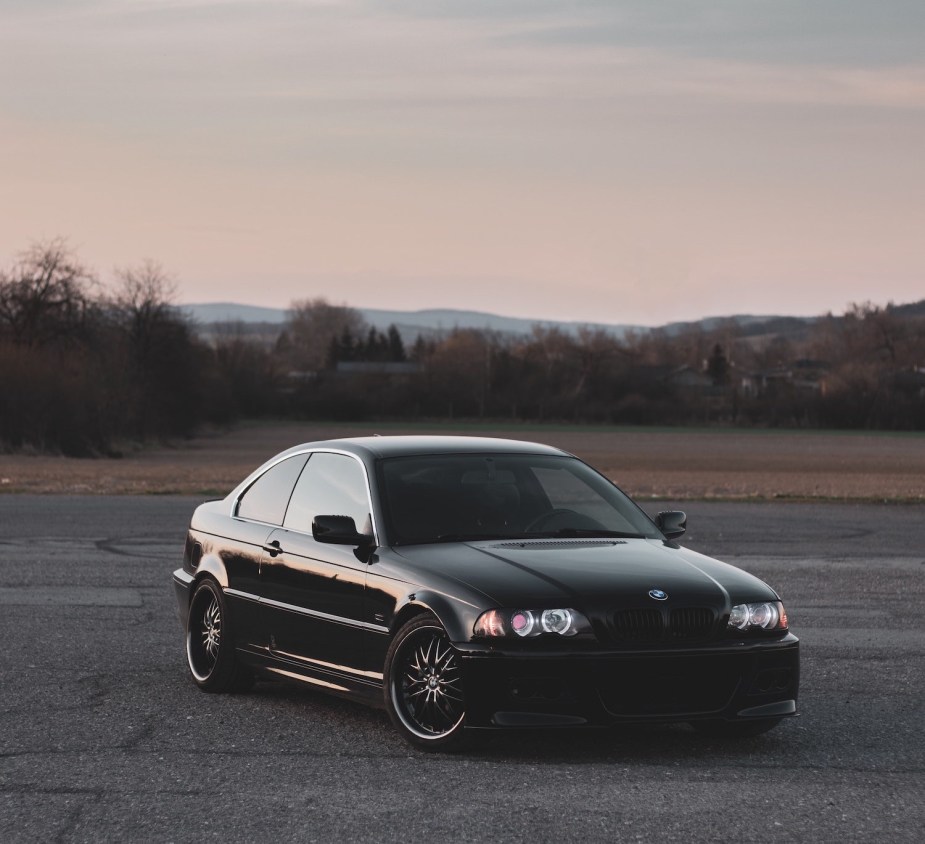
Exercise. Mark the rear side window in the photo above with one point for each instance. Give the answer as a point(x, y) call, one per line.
point(265, 500)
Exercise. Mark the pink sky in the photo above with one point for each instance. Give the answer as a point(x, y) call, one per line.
point(604, 161)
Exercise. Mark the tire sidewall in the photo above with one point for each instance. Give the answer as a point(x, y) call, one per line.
point(451, 740)
point(220, 678)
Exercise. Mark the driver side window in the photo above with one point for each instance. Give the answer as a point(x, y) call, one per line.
point(331, 485)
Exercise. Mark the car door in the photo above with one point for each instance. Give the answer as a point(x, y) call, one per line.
point(313, 591)
point(258, 511)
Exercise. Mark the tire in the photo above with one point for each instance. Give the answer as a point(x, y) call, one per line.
point(736, 729)
point(210, 642)
point(423, 686)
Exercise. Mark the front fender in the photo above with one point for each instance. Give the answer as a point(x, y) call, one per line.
point(457, 617)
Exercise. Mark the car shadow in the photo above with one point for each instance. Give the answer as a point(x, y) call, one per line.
point(636, 744)
point(632, 744)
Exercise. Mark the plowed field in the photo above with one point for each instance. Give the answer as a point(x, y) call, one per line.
point(674, 464)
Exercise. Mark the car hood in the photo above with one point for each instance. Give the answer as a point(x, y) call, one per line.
point(584, 573)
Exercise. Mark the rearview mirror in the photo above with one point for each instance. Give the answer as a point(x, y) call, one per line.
point(339, 530)
point(673, 523)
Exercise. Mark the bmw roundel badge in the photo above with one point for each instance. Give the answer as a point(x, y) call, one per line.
point(658, 594)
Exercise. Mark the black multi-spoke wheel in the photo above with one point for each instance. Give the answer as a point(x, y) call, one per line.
point(423, 688)
point(209, 646)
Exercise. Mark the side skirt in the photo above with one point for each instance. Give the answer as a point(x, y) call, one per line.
point(271, 666)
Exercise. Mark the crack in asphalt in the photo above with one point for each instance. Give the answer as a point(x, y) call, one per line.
point(72, 819)
point(138, 735)
point(79, 676)
point(116, 545)
point(26, 788)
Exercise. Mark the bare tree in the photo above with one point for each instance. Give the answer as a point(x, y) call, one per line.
point(163, 362)
point(46, 297)
point(142, 306)
point(144, 300)
point(460, 371)
point(146, 287)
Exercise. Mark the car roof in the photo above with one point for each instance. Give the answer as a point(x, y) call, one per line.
point(407, 446)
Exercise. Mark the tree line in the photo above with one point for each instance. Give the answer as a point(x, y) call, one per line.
point(89, 370)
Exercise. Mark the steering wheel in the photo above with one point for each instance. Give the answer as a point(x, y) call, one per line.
point(544, 519)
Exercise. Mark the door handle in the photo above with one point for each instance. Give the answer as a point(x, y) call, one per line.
point(273, 548)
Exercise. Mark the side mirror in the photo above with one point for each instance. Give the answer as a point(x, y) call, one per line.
point(673, 523)
point(339, 530)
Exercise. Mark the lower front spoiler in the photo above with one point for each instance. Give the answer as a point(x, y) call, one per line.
point(748, 682)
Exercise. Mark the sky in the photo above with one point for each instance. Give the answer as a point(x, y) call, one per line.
point(622, 161)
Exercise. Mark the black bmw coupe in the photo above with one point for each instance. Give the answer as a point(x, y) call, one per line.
point(466, 583)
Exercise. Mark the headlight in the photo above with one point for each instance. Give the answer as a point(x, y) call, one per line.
point(523, 623)
point(529, 623)
point(768, 615)
point(558, 621)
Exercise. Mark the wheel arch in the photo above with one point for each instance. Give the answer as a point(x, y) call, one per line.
point(446, 611)
point(211, 565)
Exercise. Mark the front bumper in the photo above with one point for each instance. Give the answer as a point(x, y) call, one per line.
point(734, 682)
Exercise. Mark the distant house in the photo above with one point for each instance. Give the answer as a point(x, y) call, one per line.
point(372, 367)
point(910, 382)
point(685, 382)
point(688, 379)
point(297, 380)
point(684, 379)
point(803, 376)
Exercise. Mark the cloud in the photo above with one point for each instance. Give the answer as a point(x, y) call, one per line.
point(853, 32)
point(900, 87)
point(583, 142)
point(151, 61)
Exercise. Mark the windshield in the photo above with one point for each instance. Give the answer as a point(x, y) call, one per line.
point(460, 497)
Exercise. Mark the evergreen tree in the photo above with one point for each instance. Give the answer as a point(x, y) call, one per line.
point(718, 366)
point(347, 346)
point(396, 346)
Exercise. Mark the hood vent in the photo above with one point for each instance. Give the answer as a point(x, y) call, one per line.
point(550, 544)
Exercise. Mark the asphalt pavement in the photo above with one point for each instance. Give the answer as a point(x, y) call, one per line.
point(104, 738)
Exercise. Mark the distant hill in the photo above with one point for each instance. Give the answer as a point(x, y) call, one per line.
point(442, 320)
point(230, 312)
point(748, 324)
point(437, 322)
point(916, 309)
point(432, 321)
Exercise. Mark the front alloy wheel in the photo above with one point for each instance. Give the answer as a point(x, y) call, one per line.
point(423, 692)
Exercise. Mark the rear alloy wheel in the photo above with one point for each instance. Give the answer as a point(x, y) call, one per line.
point(423, 688)
point(736, 729)
point(209, 644)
